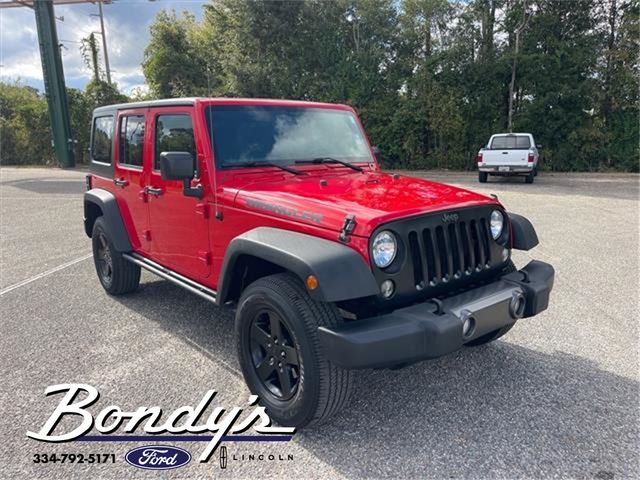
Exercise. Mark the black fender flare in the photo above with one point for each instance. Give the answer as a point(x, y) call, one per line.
point(341, 272)
point(523, 234)
point(108, 204)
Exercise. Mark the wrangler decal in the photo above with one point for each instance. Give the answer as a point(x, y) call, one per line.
point(289, 212)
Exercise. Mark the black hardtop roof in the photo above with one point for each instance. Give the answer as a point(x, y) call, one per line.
point(169, 102)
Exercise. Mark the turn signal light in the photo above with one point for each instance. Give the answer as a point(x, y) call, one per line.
point(312, 282)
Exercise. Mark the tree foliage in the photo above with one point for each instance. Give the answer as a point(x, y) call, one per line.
point(430, 78)
point(25, 133)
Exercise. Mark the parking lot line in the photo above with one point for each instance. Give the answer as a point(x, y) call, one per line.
point(44, 274)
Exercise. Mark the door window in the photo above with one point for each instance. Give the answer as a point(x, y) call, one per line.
point(174, 133)
point(101, 139)
point(131, 140)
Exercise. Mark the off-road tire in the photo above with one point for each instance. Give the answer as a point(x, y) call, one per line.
point(121, 276)
point(496, 334)
point(323, 388)
point(482, 177)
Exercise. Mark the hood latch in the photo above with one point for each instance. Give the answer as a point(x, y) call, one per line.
point(348, 226)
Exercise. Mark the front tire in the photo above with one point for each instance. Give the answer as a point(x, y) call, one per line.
point(280, 354)
point(117, 275)
point(482, 177)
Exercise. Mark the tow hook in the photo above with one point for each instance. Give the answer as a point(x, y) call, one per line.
point(348, 226)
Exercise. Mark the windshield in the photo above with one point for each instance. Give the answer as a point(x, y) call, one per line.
point(245, 134)
point(511, 142)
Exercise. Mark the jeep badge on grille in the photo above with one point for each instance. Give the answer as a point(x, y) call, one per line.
point(450, 217)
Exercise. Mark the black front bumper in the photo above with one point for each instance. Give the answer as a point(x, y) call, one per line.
point(430, 330)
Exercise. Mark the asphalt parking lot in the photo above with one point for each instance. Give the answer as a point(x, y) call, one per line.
point(556, 397)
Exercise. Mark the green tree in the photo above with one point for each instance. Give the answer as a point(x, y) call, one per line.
point(174, 60)
point(25, 135)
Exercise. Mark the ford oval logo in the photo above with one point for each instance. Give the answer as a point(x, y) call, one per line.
point(158, 457)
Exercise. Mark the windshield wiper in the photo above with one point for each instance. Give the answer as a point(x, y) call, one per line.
point(332, 160)
point(261, 163)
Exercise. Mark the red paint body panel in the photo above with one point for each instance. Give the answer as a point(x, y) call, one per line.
point(186, 236)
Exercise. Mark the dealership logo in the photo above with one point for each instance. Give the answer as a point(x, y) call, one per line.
point(158, 457)
point(450, 217)
point(186, 422)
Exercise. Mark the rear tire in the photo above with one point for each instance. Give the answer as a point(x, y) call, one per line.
point(529, 177)
point(280, 354)
point(482, 177)
point(117, 275)
point(496, 334)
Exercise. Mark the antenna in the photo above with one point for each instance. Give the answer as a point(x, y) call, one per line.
point(214, 171)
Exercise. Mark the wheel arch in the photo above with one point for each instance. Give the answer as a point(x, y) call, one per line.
point(341, 272)
point(101, 203)
point(524, 236)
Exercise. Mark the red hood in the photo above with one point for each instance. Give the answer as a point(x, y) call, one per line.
point(373, 197)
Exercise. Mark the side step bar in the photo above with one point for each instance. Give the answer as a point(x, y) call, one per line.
point(172, 276)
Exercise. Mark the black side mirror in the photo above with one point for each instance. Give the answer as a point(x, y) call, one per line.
point(376, 150)
point(180, 166)
point(177, 166)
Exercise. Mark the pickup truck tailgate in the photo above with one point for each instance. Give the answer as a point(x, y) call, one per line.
point(505, 157)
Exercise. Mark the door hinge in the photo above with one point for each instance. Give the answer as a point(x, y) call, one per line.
point(203, 209)
point(205, 257)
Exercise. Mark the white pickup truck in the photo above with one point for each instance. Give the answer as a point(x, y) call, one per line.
point(509, 154)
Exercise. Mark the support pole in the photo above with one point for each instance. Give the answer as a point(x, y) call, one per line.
point(54, 82)
point(104, 43)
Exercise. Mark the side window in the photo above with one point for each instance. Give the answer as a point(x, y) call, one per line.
point(174, 133)
point(131, 140)
point(101, 139)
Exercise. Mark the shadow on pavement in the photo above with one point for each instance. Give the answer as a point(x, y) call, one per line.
point(482, 412)
point(48, 186)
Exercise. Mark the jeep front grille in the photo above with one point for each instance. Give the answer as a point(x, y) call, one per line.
point(442, 253)
point(449, 252)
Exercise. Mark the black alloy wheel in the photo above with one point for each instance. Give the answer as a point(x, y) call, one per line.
point(274, 355)
point(116, 274)
point(104, 260)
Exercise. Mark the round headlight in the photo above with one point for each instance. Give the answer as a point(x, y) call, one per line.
point(383, 249)
point(496, 223)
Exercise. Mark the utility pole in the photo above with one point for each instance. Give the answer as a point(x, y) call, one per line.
point(104, 43)
point(512, 84)
point(54, 83)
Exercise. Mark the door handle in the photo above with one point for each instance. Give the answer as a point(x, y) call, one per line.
point(120, 182)
point(156, 192)
point(505, 153)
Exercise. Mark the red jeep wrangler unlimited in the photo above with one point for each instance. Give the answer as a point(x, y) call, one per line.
point(280, 209)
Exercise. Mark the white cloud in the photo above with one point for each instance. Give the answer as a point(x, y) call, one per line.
point(127, 26)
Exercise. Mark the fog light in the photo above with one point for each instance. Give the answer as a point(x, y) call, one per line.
point(387, 288)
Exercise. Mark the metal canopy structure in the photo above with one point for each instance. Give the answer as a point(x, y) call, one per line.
point(52, 72)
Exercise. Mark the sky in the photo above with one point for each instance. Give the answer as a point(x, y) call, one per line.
point(127, 28)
